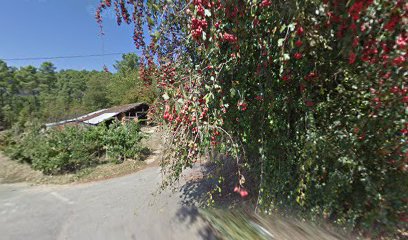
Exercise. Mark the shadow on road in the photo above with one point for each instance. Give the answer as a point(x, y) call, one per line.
point(194, 195)
point(190, 215)
point(240, 222)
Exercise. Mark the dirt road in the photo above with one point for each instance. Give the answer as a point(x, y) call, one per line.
point(122, 208)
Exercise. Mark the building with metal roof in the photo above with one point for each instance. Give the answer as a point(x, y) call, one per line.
point(134, 111)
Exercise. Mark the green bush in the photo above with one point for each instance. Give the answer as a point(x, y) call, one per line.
point(73, 148)
point(309, 97)
point(122, 142)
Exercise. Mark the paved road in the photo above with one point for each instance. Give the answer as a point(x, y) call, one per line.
point(122, 208)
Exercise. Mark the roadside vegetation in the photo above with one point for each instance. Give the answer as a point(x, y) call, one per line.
point(309, 98)
point(68, 150)
point(304, 101)
point(31, 97)
point(12, 171)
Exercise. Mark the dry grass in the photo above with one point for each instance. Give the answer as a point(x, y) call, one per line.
point(109, 170)
point(14, 172)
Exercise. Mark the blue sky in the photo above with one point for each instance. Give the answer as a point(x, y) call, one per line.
point(48, 28)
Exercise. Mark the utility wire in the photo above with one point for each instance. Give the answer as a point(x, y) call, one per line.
point(60, 57)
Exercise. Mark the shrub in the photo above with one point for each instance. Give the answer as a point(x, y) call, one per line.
point(309, 97)
point(72, 148)
point(123, 142)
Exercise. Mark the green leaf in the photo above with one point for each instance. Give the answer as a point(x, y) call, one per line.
point(150, 21)
point(282, 28)
point(233, 92)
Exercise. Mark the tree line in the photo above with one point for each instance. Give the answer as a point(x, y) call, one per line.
point(45, 94)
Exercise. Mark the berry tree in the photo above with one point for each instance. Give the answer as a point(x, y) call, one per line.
point(309, 97)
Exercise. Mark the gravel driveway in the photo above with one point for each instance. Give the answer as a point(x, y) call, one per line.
point(122, 208)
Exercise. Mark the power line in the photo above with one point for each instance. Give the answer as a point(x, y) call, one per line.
point(60, 57)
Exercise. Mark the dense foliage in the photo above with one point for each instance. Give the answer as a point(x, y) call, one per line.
point(72, 148)
point(310, 97)
point(47, 95)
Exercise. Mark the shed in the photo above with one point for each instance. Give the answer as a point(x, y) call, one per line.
point(134, 111)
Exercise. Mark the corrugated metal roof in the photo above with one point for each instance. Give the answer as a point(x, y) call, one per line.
point(77, 119)
point(90, 114)
point(101, 118)
point(58, 123)
point(101, 115)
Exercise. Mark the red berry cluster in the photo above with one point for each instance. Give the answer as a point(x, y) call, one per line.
point(147, 72)
point(265, 3)
point(229, 38)
point(299, 32)
point(199, 24)
point(298, 56)
point(118, 14)
point(358, 6)
point(242, 105)
point(138, 10)
point(168, 73)
point(311, 76)
point(197, 28)
point(241, 191)
point(124, 12)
